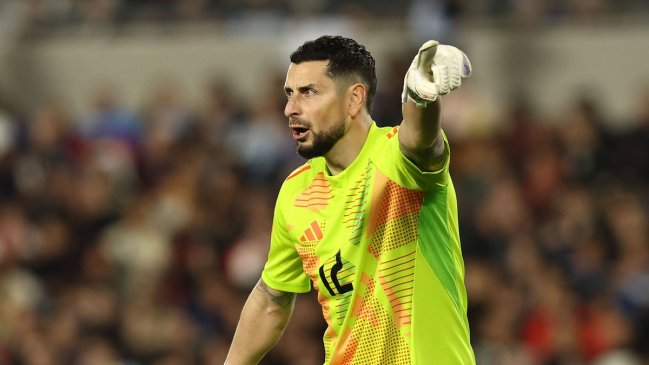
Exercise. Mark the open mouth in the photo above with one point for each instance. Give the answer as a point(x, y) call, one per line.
point(299, 132)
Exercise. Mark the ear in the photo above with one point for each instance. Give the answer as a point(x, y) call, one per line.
point(356, 99)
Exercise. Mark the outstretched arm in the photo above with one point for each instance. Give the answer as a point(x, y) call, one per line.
point(436, 70)
point(262, 323)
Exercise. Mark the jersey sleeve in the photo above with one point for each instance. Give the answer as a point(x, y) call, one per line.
point(284, 270)
point(404, 172)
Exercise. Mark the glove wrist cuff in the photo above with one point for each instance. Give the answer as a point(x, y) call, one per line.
point(408, 93)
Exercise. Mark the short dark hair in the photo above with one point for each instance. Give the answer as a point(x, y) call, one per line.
point(346, 58)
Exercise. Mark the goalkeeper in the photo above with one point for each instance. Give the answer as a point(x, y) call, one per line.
point(370, 220)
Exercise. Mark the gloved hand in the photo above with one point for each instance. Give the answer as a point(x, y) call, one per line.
point(437, 69)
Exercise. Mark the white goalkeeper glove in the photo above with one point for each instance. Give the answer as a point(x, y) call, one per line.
point(437, 69)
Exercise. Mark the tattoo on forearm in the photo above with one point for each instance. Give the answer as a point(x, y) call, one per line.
point(282, 299)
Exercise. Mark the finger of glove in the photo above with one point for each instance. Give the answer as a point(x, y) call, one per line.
point(454, 57)
point(466, 66)
point(426, 56)
point(418, 87)
point(441, 77)
point(455, 69)
point(422, 86)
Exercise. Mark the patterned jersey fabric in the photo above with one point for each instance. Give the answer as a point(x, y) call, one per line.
point(380, 244)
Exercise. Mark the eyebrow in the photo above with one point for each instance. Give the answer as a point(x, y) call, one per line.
point(301, 88)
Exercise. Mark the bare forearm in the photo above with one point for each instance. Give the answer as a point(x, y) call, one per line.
point(420, 134)
point(262, 323)
point(422, 123)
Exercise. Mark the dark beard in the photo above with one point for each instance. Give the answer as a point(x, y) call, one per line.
point(322, 142)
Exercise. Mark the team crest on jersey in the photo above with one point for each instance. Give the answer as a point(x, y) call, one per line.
point(336, 274)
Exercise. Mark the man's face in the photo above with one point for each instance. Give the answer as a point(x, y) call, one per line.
point(315, 110)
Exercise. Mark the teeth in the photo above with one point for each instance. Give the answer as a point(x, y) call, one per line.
point(299, 132)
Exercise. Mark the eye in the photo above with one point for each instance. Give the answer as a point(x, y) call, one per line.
point(288, 94)
point(310, 92)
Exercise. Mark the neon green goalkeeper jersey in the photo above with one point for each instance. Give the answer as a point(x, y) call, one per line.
point(380, 243)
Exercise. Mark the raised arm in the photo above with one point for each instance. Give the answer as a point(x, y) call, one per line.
point(437, 69)
point(262, 323)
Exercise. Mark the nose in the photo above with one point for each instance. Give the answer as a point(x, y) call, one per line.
point(291, 108)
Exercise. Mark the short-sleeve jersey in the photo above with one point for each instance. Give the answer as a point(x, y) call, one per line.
point(380, 244)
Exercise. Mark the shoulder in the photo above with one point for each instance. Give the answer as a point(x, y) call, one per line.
point(378, 139)
point(383, 135)
point(302, 176)
point(382, 140)
point(299, 171)
point(390, 160)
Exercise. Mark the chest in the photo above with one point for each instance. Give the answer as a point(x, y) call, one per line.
point(330, 212)
point(340, 224)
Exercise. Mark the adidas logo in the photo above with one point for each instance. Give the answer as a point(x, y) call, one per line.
point(312, 233)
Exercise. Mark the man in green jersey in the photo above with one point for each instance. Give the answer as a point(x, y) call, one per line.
point(370, 220)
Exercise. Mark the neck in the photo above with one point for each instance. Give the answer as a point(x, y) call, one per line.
point(345, 151)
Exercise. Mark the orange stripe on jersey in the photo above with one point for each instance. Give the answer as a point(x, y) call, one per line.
point(316, 230)
point(316, 196)
point(391, 201)
point(298, 171)
point(397, 277)
point(312, 233)
point(360, 305)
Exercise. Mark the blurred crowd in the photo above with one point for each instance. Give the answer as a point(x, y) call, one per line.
point(53, 13)
point(555, 231)
point(134, 236)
